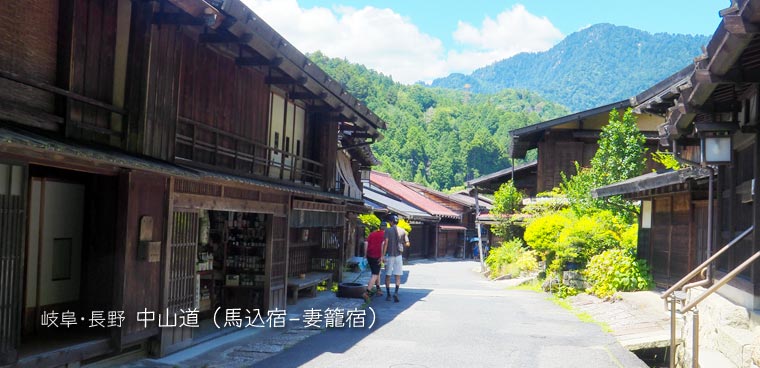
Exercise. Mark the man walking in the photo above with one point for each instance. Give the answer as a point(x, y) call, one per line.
point(393, 246)
point(374, 253)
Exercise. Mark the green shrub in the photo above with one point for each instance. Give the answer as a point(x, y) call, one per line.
point(542, 235)
point(528, 260)
point(370, 222)
point(589, 236)
point(629, 238)
point(563, 291)
point(616, 270)
point(511, 258)
point(405, 225)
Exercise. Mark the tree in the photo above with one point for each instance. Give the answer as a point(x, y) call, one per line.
point(507, 200)
point(370, 222)
point(621, 156)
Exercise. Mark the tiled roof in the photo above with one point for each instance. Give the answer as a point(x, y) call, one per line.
point(407, 194)
point(378, 200)
point(448, 202)
point(452, 228)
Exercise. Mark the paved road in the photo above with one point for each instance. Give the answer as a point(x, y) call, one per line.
point(450, 317)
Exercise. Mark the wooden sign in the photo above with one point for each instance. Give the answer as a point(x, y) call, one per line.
point(147, 249)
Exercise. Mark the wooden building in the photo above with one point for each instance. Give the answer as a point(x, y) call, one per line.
point(673, 214)
point(564, 140)
point(721, 97)
point(434, 241)
point(672, 221)
point(423, 224)
point(162, 156)
point(525, 179)
point(457, 237)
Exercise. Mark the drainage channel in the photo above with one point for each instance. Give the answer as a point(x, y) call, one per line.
point(653, 357)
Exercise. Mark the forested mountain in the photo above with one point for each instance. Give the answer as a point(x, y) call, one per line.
point(437, 136)
point(592, 67)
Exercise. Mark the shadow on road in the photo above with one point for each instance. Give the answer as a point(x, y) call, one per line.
point(340, 340)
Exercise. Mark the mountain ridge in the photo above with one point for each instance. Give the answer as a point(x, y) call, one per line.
point(577, 72)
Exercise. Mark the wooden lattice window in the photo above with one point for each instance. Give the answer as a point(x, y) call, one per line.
point(182, 258)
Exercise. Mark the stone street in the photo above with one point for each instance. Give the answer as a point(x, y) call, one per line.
point(448, 316)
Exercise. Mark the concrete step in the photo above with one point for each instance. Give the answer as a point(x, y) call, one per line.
point(735, 344)
point(714, 359)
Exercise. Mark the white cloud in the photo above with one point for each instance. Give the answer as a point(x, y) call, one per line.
point(390, 43)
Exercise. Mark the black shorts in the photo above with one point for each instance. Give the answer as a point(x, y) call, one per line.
point(374, 265)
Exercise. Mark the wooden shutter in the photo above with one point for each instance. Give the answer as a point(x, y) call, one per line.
point(278, 262)
point(28, 47)
point(12, 215)
point(180, 289)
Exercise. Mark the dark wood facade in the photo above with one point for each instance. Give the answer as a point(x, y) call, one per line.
point(669, 242)
point(573, 138)
point(718, 91)
point(148, 115)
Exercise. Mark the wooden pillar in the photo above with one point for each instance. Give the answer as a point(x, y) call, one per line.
point(755, 269)
point(137, 73)
point(12, 225)
point(330, 153)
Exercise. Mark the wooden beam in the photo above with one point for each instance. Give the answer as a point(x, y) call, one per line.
point(351, 118)
point(226, 204)
point(735, 24)
point(217, 38)
point(306, 95)
point(360, 135)
point(732, 77)
point(257, 60)
point(326, 109)
point(350, 128)
point(286, 80)
point(200, 8)
point(708, 108)
point(182, 19)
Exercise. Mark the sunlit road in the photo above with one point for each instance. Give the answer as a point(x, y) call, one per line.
point(450, 317)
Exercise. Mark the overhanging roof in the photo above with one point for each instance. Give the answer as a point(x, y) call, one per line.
point(728, 66)
point(373, 196)
point(502, 175)
point(483, 202)
point(452, 228)
point(526, 138)
point(387, 183)
point(659, 98)
point(438, 194)
point(649, 181)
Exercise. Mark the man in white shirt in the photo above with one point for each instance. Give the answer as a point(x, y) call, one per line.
point(393, 246)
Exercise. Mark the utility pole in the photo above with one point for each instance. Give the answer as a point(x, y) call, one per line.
point(477, 226)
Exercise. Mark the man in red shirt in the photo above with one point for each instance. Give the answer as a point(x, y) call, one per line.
point(374, 252)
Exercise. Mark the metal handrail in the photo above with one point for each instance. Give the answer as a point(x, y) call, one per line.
point(702, 268)
point(726, 279)
point(706, 263)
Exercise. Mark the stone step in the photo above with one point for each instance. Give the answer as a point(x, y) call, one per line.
point(735, 344)
point(714, 359)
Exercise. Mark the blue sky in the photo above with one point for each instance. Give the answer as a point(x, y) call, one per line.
point(414, 40)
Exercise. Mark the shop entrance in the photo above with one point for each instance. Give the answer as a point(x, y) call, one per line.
point(237, 244)
point(69, 258)
point(218, 260)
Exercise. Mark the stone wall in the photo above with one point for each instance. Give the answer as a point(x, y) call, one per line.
point(723, 327)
